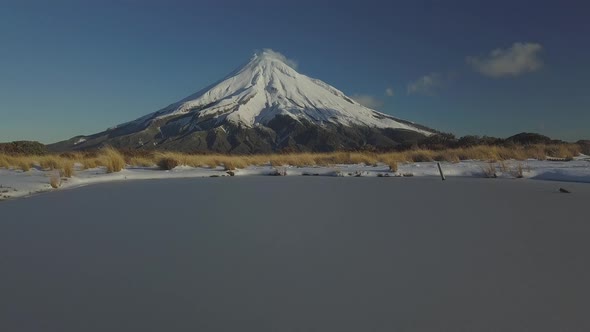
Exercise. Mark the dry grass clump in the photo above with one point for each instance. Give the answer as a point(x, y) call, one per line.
point(67, 169)
point(518, 171)
point(4, 162)
point(55, 181)
point(229, 165)
point(419, 156)
point(167, 163)
point(140, 161)
point(392, 165)
point(24, 165)
point(489, 171)
point(50, 162)
point(89, 163)
point(567, 151)
point(390, 160)
point(112, 160)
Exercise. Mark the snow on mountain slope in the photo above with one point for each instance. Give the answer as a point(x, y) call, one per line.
point(266, 87)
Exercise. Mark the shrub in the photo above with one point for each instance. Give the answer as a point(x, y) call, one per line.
point(167, 163)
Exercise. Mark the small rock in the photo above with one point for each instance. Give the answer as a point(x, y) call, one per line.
point(565, 191)
point(231, 173)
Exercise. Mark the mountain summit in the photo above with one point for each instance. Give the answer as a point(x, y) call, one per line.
point(264, 106)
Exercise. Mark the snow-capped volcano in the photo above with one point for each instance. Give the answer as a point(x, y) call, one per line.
point(263, 106)
point(266, 87)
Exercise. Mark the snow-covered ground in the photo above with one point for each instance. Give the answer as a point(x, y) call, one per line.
point(16, 183)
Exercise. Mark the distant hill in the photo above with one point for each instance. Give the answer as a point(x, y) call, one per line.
point(23, 147)
point(528, 139)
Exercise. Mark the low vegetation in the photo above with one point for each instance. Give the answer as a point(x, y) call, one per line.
point(167, 163)
point(67, 169)
point(518, 171)
point(55, 181)
point(23, 147)
point(114, 160)
point(489, 170)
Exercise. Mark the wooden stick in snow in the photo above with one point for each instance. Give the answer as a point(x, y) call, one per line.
point(442, 176)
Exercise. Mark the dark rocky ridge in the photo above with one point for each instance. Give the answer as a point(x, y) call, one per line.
point(282, 133)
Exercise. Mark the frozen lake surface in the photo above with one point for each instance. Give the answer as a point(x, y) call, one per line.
point(298, 254)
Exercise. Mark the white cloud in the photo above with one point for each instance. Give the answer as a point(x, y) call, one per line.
point(519, 59)
point(290, 62)
point(389, 91)
point(425, 84)
point(368, 101)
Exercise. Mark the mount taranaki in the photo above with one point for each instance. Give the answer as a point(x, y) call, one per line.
point(264, 106)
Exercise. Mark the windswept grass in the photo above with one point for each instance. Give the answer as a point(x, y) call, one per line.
point(50, 162)
point(90, 163)
point(4, 162)
point(24, 165)
point(114, 160)
point(67, 169)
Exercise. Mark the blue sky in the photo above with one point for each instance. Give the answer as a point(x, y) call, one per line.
point(466, 67)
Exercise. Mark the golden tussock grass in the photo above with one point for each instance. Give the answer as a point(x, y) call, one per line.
point(90, 163)
point(140, 161)
point(110, 158)
point(4, 162)
point(24, 165)
point(114, 161)
point(50, 162)
point(67, 169)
